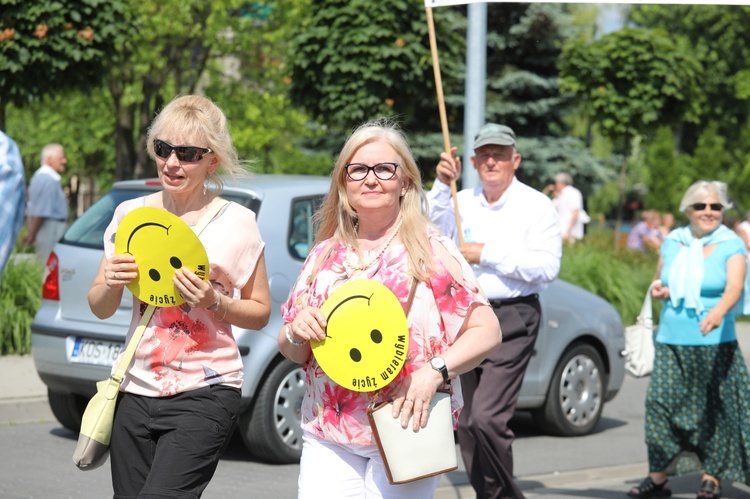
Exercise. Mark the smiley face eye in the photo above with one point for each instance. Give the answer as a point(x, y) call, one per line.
point(376, 336)
point(175, 262)
point(154, 275)
point(355, 354)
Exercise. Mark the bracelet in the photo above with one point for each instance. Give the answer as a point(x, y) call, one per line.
point(288, 333)
point(226, 310)
point(216, 306)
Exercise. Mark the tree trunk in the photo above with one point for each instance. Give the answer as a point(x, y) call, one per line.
point(623, 184)
point(3, 104)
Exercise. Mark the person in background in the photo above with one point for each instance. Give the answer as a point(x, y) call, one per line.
point(180, 397)
point(743, 230)
point(568, 202)
point(47, 210)
point(12, 197)
point(666, 223)
point(512, 238)
point(373, 225)
point(644, 236)
point(698, 398)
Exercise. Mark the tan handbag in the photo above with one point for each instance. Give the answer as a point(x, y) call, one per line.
point(92, 449)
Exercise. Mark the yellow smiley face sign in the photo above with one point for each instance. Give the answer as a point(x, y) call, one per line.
point(161, 243)
point(367, 336)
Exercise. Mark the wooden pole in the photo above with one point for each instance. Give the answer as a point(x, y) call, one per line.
point(443, 116)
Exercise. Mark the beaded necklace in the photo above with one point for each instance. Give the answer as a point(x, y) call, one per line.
point(350, 253)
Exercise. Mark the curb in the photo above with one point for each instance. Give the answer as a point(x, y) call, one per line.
point(14, 411)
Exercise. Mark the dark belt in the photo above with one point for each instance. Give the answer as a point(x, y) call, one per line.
point(59, 219)
point(511, 301)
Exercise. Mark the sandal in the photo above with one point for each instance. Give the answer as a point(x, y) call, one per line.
point(648, 488)
point(709, 490)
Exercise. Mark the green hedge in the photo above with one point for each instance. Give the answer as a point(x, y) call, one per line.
point(20, 297)
point(621, 278)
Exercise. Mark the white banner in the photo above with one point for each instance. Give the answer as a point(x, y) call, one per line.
point(445, 3)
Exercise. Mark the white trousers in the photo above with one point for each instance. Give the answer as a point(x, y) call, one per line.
point(329, 470)
point(46, 237)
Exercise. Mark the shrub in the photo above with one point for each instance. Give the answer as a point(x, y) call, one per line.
point(621, 278)
point(20, 298)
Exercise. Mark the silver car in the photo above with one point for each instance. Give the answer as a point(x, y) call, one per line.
point(577, 365)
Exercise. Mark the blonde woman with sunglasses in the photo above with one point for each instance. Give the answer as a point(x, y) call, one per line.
point(698, 398)
point(181, 395)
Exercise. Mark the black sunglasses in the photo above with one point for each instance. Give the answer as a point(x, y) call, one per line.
point(702, 206)
point(189, 154)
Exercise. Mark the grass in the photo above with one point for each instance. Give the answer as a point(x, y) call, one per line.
point(621, 278)
point(20, 298)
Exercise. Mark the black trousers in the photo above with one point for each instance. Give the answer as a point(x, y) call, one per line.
point(490, 395)
point(170, 446)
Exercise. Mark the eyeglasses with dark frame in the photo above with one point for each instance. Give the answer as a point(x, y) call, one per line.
point(359, 171)
point(702, 206)
point(189, 154)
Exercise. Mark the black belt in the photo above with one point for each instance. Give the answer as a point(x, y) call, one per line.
point(511, 301)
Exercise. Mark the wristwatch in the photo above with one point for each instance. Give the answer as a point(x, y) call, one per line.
point(438, 364)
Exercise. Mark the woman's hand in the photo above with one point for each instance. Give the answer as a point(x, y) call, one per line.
point(196, 292)
point(414, 396)
point(660, 292)
point(711, 321)
point(309, 324)
point(119, 271)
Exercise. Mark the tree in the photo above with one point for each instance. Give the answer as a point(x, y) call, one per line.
point(717, 36)
point(48, 47)
point(631, 81)
point(353, 60)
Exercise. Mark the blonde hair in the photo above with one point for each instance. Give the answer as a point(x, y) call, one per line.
point(336, 218)
point(702, 188)
point(196, 118)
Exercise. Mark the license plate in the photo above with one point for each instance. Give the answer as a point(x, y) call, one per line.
point(97, 352)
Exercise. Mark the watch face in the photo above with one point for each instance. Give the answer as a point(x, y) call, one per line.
point(437, 362)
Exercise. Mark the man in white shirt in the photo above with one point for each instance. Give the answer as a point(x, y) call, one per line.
point(47, 210)
point(568, 202)
point(511, 236)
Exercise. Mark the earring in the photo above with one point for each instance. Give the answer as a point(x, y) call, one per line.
point(205, 183)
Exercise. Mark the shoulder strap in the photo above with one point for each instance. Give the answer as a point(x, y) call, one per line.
point(209, 215)
point(122, 366)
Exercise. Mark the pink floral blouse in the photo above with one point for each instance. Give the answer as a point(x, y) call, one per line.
point(337, 414)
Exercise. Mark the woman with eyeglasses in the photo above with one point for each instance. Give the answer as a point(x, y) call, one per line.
point(698, 398)
point(373, 225)
point(181, 394)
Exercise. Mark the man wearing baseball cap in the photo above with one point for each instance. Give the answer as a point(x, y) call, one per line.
point(512, 238)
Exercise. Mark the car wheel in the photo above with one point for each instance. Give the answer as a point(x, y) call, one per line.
point(68, 409)
point(576, 395)
point(271, 427)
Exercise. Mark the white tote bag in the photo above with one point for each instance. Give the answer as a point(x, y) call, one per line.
point(639, 339)
point(410, 455)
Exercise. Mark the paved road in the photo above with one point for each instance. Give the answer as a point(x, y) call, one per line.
point(35, 461)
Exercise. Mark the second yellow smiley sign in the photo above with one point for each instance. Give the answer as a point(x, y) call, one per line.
point(367, 336)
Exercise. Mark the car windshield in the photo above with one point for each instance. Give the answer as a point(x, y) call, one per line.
point(88, 230)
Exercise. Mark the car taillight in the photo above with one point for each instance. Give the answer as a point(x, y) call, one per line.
point(51, 287)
